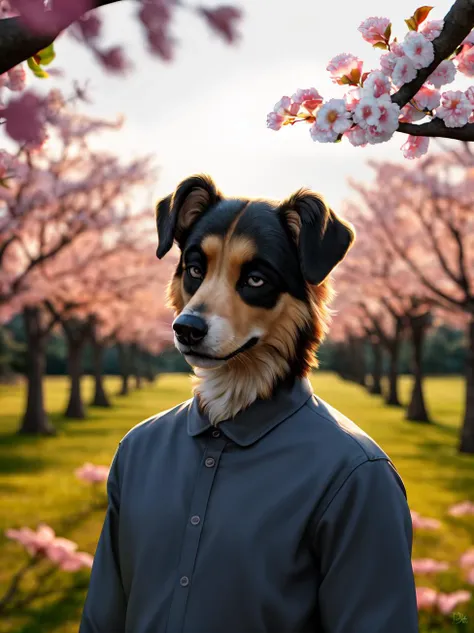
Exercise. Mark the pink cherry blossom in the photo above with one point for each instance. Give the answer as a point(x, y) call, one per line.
point(403, 72)
point(387, 63)
point(52, 19)
point(367, 112)
point(409, 114)
point(59, 549)
point(465, 61)
point(389, 115)
point(428, 566)
point(17, 78)
point(470, 576)
point(464, 507)
point(431, 29)
point(447, 602)
point(415, 146)
point(418, 49)
point(376, 135)
point(73, 561)
point(275, 121)
point(422, 523)
point(467, 559)
point(343, 65)
point(444, 74)
point(426, 598)
point(24, 119)
point(333, 116)
point(92, 473)
point(373, 29)
point(35, 542)
point(322, 136)
point(353, 96)
point(114, 59)
point(470, 95)
point(308, 98)
point(455, 108)
point(469, 39)
point(427, 98)
point(90, 26)
point(356, 136)
point(376, 84)
point(223, 20)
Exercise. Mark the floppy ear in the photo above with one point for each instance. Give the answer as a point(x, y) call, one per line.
point(322, 238)
point(176, 213)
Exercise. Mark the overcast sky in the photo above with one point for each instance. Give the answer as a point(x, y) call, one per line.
point(206, 111)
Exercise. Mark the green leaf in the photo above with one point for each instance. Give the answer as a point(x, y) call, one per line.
point(388, 32)
point(421, 14)
point(37, 70)
point(4, 182)
point(381, 45)
point(344, 80)
point(46, 55)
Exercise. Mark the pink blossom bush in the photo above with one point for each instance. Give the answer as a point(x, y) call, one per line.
point(464, 508)
point(43, 543)
point(445, 603)
point(428, 566)
point(92, 474)
point(422, 523)
point(369, 114)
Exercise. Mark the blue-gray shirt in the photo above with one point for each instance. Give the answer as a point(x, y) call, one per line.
point(286, 519)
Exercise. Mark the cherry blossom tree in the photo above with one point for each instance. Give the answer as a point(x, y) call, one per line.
point(29, 28)
point(426, 217)
point(401, 92)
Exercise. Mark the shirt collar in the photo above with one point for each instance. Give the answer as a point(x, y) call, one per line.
point(251, 424)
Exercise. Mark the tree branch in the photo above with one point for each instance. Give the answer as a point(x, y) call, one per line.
point(458, 24)
point(437, 128)
point(17, 43)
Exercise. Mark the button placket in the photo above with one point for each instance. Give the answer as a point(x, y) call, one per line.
point(202, 492)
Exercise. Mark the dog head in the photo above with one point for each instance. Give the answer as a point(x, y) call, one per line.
point(251, 286)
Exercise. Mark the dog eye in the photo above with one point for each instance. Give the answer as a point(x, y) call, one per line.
point(255, 281)
point(194, 272)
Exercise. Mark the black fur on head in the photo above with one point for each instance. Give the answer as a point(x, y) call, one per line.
point(322, 238)
point(176, 213)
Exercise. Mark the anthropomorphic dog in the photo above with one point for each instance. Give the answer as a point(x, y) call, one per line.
point(253, 507)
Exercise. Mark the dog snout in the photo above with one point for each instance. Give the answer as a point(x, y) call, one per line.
point(190, 329)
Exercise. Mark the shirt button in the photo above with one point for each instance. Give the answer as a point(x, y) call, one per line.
point(195, 520)
point(210, 462)
point(184, 581)
point(216, 433)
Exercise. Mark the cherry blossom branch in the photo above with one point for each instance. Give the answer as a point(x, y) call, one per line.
point(457, 26)
point(15, 583)
point(437, 128)
point(17, 43)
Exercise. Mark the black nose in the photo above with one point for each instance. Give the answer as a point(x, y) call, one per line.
point(190, 329)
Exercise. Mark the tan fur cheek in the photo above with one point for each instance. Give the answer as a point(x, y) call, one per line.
point(175, 294)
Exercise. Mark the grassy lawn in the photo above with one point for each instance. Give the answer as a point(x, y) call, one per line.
point(37, 481)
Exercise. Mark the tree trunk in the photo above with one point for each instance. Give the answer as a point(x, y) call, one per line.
point(124, 369)
point(75, 407)
point(376, 386)
point(148, 368)
point(135, 365)
point(416, 411)
point(467, 433)
point(100, 397)
point(392, 396)
point(35, 420)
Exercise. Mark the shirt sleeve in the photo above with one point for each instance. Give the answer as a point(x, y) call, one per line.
point(363, 545)
point(105, 606)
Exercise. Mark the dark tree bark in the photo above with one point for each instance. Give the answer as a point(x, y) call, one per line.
point(467, 433)
point(417, 411)
point(376, 384)
point(75, 408)
point(135, 365)
point(149, 372)
point(35, 421)
point(124, 369)
point(100, 396)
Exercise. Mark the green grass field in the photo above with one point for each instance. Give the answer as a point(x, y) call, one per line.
point(37, 481)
